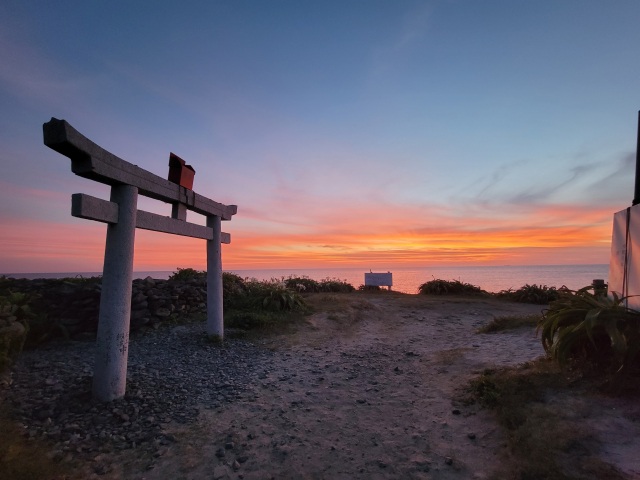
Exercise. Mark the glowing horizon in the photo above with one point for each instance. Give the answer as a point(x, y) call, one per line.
point(415, 132)
point(80, 247)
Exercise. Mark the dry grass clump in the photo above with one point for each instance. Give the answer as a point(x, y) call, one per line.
point(545, 439)
point(510, 322)
point(307, 285)
point(538, 294)
point(449, 287)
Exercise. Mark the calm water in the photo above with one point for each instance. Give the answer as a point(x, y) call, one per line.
point(407, 280)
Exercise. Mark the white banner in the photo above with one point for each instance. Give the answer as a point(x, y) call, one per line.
point(624, 269)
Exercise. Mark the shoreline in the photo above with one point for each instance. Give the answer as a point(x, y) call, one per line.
point(407, 279)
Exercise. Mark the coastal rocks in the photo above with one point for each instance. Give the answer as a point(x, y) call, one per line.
point(70, 307)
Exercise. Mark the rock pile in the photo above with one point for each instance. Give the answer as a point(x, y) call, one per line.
point(72, 305)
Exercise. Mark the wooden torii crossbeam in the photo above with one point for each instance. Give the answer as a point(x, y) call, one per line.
point(121, 213)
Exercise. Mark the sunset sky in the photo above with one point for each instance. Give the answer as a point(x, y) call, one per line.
point(355, 133)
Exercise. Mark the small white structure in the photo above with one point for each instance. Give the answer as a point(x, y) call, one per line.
point(624, 264)
point(122, 217)
point(378, 279)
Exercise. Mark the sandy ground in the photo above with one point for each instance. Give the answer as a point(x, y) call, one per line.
point(367, 392)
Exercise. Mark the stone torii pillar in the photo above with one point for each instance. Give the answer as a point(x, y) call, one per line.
point(112, 339)
point(123, 217)
point(215, 319)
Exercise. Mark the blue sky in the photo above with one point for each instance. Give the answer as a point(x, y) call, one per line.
point(351, 133)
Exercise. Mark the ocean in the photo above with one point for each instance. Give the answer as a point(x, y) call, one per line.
point(407, 279)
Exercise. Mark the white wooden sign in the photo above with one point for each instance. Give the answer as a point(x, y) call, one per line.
point(378, 279)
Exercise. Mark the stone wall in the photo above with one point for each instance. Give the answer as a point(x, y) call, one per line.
point(74, 304)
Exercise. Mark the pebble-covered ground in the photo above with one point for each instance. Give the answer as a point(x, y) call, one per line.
point(368, 390)
point(173, 373)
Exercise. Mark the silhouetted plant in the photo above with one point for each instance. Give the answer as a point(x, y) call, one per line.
point(335, 285)
point(449, 287)
point(329, 285)
point(302, 284)
point(538, 294)
point(282, 299)
point(186, 274)
point(582, 326)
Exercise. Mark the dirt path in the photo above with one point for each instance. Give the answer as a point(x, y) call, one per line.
point(365, 392)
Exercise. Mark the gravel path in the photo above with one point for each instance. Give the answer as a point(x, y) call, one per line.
point(173, 374)
point(367, 395)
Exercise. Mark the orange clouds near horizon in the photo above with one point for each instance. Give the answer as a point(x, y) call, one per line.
point(407, 237)
point(381, 237)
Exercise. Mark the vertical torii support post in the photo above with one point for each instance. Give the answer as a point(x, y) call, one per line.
point(127, 181)
point(112, 340)
point(215, 327)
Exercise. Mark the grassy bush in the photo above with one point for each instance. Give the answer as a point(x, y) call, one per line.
point(280, 298)
point(542, 436)
point(253, 304)
point(582, 326)
point(334, 285)
point(233, 286)
point(186, 274)
point(302, 284)
point(449, 287)
point(538, 294)
point(307, 285)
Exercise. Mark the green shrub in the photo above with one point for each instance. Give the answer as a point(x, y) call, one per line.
point(233, 286)
point(582, 326)
point(538, 294)
point(281, 298)
point(329, 285)
point(335, 285)
point(186, 274)
point(302, 284)
point(449, 287)
point(253, 303)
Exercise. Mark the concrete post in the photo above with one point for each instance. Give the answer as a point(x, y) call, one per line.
point(112, 342)
point(215, 322)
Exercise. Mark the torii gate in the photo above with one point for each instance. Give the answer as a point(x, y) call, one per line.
point(123, 217)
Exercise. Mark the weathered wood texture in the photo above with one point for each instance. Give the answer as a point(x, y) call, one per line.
point(92, 161)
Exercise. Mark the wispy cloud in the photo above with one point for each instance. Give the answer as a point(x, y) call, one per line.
point(34, 78)
point(412, 31)
point(576, 179)
point(425, 235)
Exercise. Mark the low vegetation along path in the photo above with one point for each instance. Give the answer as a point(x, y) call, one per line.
point(365, 389)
